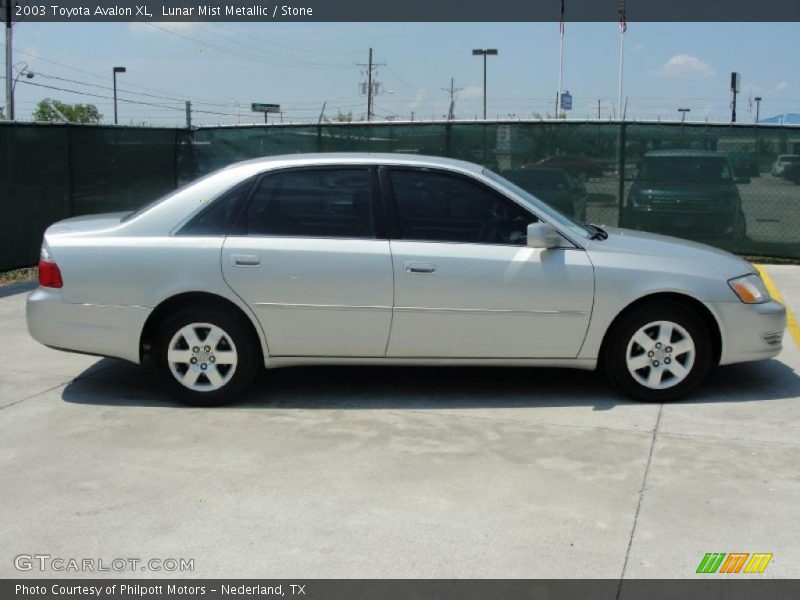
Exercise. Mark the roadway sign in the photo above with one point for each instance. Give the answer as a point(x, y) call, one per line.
point(265, 108)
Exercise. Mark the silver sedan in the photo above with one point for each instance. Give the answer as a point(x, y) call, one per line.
point(389, 260)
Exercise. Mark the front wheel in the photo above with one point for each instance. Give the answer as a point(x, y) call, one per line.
point(658, 352)
point(206, 356)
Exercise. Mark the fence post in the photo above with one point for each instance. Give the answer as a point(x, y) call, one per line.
point(621, 173)
point(70, 174)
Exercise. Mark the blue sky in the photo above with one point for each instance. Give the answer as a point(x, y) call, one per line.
point(223, 67)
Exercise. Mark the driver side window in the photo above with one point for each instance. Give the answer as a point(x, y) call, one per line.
point(436, 206)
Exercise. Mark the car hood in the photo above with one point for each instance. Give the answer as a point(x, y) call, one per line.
point(661, 251)
point(86, 224)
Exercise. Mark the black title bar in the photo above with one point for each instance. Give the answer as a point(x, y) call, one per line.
point(403, 10)
point(735, 587)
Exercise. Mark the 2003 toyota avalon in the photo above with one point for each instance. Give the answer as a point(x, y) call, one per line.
point(389, 260)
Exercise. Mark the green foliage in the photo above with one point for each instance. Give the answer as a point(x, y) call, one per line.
point(55, 110)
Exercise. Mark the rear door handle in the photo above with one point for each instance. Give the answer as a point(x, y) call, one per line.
point(245, 260)
point(419, 267)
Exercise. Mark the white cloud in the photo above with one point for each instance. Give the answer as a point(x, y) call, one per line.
point(684, 65)
point(781, 86)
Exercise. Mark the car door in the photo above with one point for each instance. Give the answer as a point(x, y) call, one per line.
point(466, 284)
point(307, 256)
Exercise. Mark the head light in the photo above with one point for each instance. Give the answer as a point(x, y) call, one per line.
point(750, 289)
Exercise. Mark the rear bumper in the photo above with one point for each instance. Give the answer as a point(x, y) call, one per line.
point(86, 328)
point(750, 331)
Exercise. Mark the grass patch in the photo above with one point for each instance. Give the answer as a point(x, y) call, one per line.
point(17, 275)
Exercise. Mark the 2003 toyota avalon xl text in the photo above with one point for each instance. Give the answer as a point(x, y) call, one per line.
point(389, 260)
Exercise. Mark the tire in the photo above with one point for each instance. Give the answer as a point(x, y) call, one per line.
point(679, 361)
point(206, 374)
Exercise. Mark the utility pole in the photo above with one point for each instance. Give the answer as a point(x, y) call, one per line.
point(758, 108)
point(9, 59)
point(598, 108)
point(453, 90)
point(370, 87)
point(188, 114)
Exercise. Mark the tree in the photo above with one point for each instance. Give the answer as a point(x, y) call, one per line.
point(55, 110)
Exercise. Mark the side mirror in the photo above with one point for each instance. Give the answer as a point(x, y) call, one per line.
point(543, 235)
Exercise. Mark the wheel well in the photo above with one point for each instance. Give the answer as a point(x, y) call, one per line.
point(676, 298)
point(175, 303)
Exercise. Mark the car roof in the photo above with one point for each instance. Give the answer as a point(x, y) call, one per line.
point(686, 152)
point(358, 158)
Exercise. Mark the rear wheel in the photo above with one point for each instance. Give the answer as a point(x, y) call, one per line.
point(206, 356)
point(658, 352)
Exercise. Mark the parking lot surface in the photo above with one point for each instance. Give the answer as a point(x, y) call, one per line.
point(397, 472)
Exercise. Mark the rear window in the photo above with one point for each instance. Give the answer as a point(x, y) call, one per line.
point(685, 169)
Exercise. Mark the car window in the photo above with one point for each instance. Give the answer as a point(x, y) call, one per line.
point(312, 203)
point(442, 207)
point(216, 218)
point(682, 170)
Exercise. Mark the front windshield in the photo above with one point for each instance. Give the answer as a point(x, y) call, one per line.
point(685, 169)
point(539, 207)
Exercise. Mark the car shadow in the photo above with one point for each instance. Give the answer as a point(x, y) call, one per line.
point(116, 383)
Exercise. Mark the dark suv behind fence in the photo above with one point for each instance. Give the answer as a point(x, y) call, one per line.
point(688, 193)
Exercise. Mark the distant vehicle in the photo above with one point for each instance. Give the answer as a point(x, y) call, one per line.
point(792, 173)
point(553, 186)
point(744, 164)
point(783, 161)
point(577, 166)
point(688, 193)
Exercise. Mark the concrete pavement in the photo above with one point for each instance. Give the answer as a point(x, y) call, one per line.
point(402, 472)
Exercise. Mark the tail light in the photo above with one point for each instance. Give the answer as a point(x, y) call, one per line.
point(49, 273)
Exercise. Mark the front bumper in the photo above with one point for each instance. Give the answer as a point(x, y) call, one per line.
point(86, 328)
point(670, 222)
point(750, 331)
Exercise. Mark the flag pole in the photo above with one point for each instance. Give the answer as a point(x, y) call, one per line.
point(623, 26)
point(621, 70)
point(560, 61)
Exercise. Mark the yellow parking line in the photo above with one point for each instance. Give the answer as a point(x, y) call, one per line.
point(791, 320)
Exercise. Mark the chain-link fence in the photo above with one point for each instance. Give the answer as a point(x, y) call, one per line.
point(735, 187)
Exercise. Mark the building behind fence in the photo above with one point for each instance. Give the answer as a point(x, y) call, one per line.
point(736, 187)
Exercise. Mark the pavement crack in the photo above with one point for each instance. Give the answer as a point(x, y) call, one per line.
point(641, 499)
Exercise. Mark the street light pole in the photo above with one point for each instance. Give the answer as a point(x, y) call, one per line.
point(758, 108)
point(9, 58)
point(484, 52)
point(683, 112)
point(115, 71)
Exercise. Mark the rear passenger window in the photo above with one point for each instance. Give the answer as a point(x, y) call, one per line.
point(218, 216)
point(312, 203)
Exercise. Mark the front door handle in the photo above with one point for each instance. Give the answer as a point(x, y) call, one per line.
point(419, 267)
point(245, 260)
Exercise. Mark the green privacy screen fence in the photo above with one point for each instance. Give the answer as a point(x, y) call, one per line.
point(735, 187)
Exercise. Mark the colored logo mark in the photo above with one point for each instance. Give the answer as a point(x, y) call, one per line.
point(734, 562)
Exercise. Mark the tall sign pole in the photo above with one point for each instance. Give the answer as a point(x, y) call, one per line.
point(9, 59)
point(735, 86)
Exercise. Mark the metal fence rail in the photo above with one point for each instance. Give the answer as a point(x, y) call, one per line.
point(736, 187)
